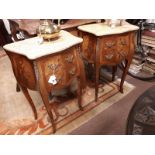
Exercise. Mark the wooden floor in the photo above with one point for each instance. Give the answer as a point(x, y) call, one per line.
point(113, 120)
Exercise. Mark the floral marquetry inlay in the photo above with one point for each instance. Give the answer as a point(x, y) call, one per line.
point(53, 67)
point(109, 56)
point(110, 44)
point(122, 42)
point(72, 71)
point(25, 73)
point(69, 58)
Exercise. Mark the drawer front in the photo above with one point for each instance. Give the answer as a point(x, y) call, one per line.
point(114, 49)
point(71, 64)
point(63, 67)
point(123, 46)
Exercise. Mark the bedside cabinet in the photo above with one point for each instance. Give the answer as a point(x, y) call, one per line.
point(103, 45)
point(46, 67)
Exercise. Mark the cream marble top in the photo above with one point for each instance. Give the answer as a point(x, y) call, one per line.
point(101, 29)
point(33, 50)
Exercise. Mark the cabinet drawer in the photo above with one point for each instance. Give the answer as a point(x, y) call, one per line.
point(114, 49)
point(123, 44)
point(63, 66)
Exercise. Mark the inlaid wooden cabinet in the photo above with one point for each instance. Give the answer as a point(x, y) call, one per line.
point(47, 67)
point(103, 45)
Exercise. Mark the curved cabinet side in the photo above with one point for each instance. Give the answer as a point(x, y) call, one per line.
point(23, 70)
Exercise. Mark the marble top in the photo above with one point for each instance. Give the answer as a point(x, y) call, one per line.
point(32, 49)
point(102, 29)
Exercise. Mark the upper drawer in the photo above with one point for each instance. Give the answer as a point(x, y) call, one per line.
point(113, 49)
point(123, 42)
point(62, 67)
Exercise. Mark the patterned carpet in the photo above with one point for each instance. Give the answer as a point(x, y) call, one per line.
point(16, 116)
point(2, 52)
point(141, 119)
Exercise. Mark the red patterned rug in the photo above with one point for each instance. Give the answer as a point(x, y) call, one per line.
point(16, 117)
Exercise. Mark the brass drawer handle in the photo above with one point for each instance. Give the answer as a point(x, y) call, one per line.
point(110, 44)
point(69, 58)
point(109, 56)
point(72, 71)
point(122, 54)
point(53, 67)
point(123, 42)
